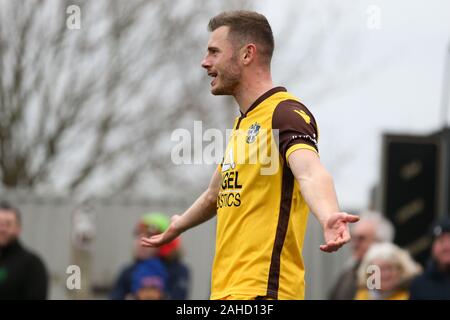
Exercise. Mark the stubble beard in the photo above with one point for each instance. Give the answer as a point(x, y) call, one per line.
point(229, 79)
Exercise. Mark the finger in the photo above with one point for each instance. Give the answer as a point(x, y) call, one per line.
point(146, 242)
point(343, 237)
point(152, 241)
point(332, 246)
point(351, 218)
point(145, 239)
point(152, 237)
point(329, 247)
point(339, 244)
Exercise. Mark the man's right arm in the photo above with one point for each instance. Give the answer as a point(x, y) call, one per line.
point(203, 209)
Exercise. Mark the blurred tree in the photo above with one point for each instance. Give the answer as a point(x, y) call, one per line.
point(322, 47)
point(92, 110)
point(95, 107)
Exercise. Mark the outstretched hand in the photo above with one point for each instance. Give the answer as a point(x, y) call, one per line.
point(172, 232)
point(336, 231)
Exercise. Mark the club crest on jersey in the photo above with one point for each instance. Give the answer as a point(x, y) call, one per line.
point(253, 132)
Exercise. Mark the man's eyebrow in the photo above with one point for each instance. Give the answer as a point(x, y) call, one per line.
point(212, 48)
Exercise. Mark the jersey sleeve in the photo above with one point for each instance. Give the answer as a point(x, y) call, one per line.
point(297, 128)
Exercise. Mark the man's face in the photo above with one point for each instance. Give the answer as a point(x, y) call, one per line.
point(222, 63)
point(9, 227)
point(363, 236)
point(441, 250)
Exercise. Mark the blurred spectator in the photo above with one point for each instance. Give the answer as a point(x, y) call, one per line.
point(170, 254)
point(22, 273)
point(371, 228)
point(122, 288)
point(179, 274)
point(149, 280)
point(177, 282)
point(396, 270)
point(434, 283)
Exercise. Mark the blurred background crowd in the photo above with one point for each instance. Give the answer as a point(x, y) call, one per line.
point(377, 269)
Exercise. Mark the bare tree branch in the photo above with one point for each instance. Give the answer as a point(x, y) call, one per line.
point(93, 109)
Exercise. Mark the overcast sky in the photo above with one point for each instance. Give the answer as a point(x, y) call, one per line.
point(402, 95)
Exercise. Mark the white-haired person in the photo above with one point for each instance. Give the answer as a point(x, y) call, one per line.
point(386, 273)
point(372, 228)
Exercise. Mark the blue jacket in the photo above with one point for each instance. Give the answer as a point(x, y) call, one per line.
point(122, 286)
point(177, 286)
point(150, 272)
point(179, 280)
point(433, 284)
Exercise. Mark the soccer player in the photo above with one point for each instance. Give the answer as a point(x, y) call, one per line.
point(261, 205)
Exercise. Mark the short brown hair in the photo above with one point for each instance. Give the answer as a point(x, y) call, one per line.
point(245, 27)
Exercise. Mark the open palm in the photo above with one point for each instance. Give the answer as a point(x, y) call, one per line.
point(158, 240)
point(336, 231)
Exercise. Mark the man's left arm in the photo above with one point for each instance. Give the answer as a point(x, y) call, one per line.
point(317, 188)
point(298, 146)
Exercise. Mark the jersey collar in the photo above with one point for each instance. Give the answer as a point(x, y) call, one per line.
point(263, 97)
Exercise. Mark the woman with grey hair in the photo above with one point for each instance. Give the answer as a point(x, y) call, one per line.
point(372, 228)
point(385, 273)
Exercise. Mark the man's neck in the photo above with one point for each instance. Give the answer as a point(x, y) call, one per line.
point(249, 91)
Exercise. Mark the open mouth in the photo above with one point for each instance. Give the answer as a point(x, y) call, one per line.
point(214, 76)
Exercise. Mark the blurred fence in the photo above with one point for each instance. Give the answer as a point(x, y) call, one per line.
point(47, 225)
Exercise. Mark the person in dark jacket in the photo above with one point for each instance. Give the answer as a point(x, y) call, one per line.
point(179, 274)
point(23, 275)
point(177, 284)
point(434, 283)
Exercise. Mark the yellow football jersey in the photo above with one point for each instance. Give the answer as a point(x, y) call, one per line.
point(261, 214)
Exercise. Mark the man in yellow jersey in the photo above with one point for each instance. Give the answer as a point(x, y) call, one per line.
point(261, 206)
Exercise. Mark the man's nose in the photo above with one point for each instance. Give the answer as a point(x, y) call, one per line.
point(205, 63)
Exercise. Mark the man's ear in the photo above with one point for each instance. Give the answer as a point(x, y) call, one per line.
point(249, 53)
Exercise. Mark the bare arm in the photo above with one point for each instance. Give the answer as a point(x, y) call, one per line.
point(317, 188)
point(203, 209)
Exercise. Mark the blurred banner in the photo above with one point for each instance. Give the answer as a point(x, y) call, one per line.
point(415, 187)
